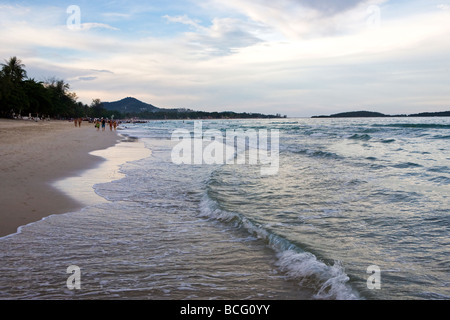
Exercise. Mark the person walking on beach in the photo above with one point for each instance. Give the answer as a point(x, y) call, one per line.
point(115, 125)
point(103, 124)
point(110, 125)
point(97, 124)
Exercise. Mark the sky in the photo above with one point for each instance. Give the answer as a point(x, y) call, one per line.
point(293, 57)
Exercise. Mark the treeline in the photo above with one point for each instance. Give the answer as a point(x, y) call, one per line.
point(175, 114)
point(22, 96)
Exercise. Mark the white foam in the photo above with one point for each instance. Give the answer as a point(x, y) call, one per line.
point(81, 187)
point(328, 282)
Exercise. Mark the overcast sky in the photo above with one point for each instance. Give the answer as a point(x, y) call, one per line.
point(293, 57)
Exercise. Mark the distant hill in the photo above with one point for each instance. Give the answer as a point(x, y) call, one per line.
point(370, 114)
point(354, 114)
point(431, 114)
point(130, 105)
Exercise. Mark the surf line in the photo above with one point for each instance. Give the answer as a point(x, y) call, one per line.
point(212, 147)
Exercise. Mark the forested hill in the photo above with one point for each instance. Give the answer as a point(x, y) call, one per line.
point(130, 105)
point(134, 108)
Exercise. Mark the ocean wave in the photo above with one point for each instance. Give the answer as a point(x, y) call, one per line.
point(443, 169)
point(441, 180)
point(327, 281)
point(407, 165)
point(387, 140)
point(356, 136)
point(312, 153)
point(441, 137)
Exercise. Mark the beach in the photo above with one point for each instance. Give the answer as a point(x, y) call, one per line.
point(36, 154)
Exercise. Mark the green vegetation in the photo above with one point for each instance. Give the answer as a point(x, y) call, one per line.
point(21, 96)
point(190, 114)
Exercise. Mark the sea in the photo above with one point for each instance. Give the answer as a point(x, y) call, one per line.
point(354, 209)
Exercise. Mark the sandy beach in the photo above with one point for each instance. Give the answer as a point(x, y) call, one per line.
point(36, 154)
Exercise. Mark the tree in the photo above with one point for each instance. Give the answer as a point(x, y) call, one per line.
point(5, 92)
point(21, 96)
point(14, 70)
point(12, 95)
point(97, 110)
point(63, 101)
point(38, 98)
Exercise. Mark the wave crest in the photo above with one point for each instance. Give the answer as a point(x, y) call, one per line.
point(327, 282)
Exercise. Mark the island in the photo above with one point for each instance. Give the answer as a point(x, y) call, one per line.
point(371, 114)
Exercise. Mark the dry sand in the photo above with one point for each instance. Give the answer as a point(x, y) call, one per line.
point(33, 155)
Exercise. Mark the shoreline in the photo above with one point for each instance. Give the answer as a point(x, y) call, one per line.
point(34, 155)
point(82, 184)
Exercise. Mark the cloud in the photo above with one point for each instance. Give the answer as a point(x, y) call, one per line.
point(116, 15)
point(87, 78)
point(184, 20)
point(102, 71)
point(223, 37)
point(296, 19)
point(94, 25)
point(443, 6)
point(330, 7)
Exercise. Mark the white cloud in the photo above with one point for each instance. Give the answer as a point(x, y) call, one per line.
point(87, 78)
point(296, 20)
point(184, 20)
point(93, 25)
point(224, 36)
point(116, 15)
point(443, 6)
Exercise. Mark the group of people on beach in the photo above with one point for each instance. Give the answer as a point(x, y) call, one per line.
point(102, 122)
point(99, 123)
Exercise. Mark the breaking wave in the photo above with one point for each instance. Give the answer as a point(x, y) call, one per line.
point(326, 281)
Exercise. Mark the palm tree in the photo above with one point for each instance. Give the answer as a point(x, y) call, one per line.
point(13, 97)
point(14, 70)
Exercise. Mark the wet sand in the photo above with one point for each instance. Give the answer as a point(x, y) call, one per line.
point(33, 155)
